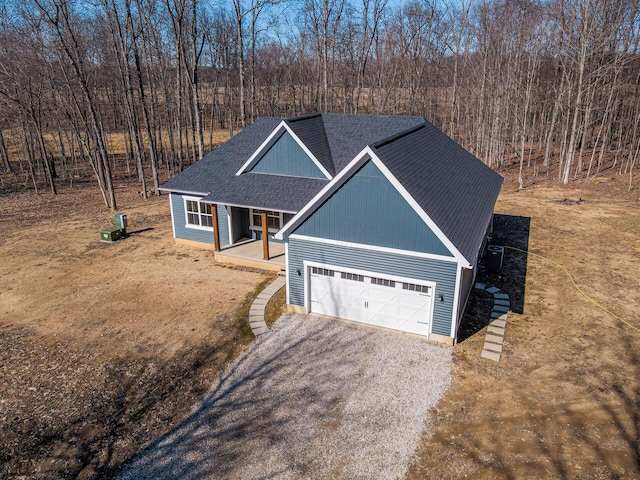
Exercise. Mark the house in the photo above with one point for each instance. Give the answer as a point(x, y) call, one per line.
point(380, 219)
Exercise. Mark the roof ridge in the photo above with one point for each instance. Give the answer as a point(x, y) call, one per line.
point(397, 136)
point(303, 117)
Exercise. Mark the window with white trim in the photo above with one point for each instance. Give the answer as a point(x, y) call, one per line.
point(274, 220)
point(415, 288)
point(197, 213)
point(323, 271)
point(352, 276)
point(383, 282)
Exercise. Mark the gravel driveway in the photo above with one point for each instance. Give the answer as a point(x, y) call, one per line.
point(315, 398)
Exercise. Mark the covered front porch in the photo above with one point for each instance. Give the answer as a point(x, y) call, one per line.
point(248, 235)
point(250, 253)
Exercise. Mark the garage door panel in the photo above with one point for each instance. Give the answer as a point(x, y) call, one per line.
point(383, 307)
point(371, 300)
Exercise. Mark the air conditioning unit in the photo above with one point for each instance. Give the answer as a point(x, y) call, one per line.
point(495, 255)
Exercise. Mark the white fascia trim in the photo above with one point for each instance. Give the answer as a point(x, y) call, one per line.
point(326, 192)
point(286, 273)
point(255, 207)
point(456, 298)
point(308, 152)
point(421, 213)
point(283, 126)
point(331, 187)
point(184, 192)
point(375, 248)
point(192, 197)
point(173, 220)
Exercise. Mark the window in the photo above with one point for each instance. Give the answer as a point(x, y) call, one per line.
point(352, 276)
point(383, 281)
point(198, 213)
point(323, 271)
point(274, 220)
point(415, 288)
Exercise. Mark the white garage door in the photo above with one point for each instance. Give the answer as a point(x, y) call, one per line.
point(368, 299)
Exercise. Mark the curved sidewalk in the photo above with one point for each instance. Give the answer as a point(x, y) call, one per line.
point(256, 312)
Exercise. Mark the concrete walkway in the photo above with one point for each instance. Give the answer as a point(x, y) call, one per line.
point(495, 331)
point(256, 312)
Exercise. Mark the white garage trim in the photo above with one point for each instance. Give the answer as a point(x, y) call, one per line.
point(375, 248)
point(456, 306)
point(386, 312)
point(287, 290)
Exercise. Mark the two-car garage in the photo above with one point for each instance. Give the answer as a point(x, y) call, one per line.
point(390, 302)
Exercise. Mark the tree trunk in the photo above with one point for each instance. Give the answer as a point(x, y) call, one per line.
point(5, 155)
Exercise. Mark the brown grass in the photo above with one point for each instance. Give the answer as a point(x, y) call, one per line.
point(276, 307)
point(563, 401)
point(103, 347)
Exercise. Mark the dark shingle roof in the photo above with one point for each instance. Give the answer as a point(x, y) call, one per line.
point(453, 187)
point(222, 163)
point(310, 130)
point(333, 139)
point(349, 134)
point(271, 192)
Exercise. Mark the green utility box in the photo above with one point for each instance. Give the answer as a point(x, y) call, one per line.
point(110, 234)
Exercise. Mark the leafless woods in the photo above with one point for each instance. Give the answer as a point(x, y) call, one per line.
point(141, 87)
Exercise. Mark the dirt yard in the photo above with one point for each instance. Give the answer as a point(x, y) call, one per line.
point(103, 346)
point(564, 400)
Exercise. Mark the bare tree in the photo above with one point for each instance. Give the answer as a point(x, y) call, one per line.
point(59, 18)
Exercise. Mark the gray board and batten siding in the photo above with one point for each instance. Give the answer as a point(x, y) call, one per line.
point(456, 190)
point(368, 209)
point(197, 234)
point(442, 272)
point(286, 157)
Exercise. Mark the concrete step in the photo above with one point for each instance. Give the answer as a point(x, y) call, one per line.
point(260, 330)
point(496, 330)
point(493, 347)
point(490, 355)
point(494, 339)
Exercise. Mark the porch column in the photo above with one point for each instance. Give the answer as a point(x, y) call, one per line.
point(216, 231)
point(265, 235)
